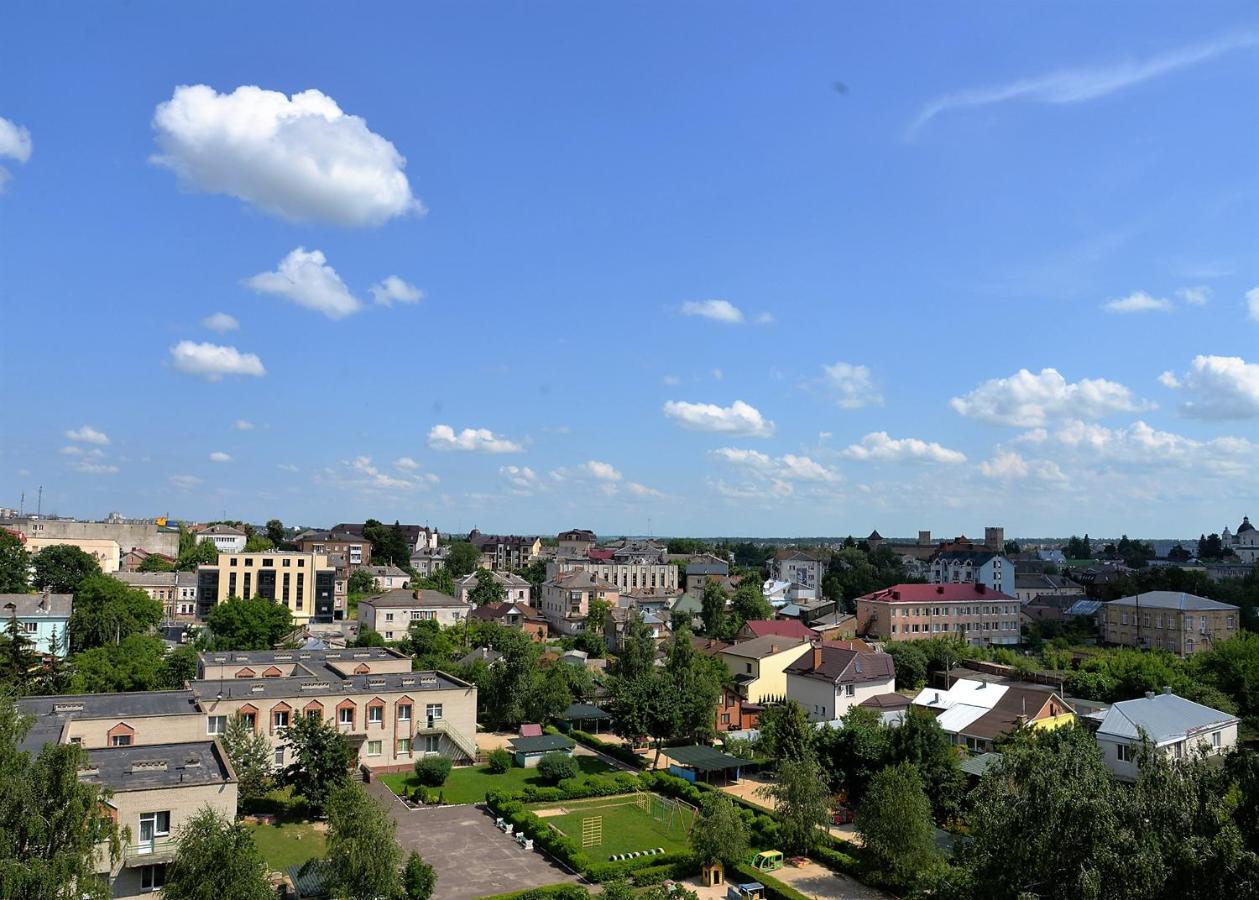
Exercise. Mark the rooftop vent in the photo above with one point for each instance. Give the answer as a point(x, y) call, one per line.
point(67, 707)
point(407, 682)
point(149, 765)
point(939, 589)
point(375, 682)
point(257, 687)
point(313, 685)
point(192, 762)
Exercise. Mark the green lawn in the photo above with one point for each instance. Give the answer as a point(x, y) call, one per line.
point(626, 827)
point(289, 844)
point(469, 784)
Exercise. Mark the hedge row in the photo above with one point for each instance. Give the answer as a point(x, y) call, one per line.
point(549, 892)
point(574, 788)
point(616, 751)
point(677, 871)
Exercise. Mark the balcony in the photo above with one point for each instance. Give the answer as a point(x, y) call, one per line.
point(149, 853)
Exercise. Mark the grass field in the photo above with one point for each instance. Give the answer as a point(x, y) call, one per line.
point(287, 844)
point(626, 827)
point(469, 784)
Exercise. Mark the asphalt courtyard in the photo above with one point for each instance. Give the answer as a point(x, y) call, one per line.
point(471, 856)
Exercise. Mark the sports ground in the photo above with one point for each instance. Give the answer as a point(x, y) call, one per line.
point(627, 823)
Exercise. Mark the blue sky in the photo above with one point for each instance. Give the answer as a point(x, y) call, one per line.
point(704, 268)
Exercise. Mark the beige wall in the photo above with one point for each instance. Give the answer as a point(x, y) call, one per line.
point(824, 700)
point(94, 733)
point(105, 552)
point(396, 620)
point(768, 673)
point(975, 621)
point(1182, 633)
point(301, 603)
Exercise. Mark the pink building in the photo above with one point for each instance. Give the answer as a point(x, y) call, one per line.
point(907, 612)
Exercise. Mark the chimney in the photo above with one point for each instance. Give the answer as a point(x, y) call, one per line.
point(1149, 695)
point(773, 648)
point(896, 595)
point(43, 601)
point(1167, 689)
point(980, 587)
point(817, 656)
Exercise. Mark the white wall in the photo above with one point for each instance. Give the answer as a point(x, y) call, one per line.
point(824, 700)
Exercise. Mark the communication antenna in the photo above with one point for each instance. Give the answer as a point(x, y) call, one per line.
point(39, 509)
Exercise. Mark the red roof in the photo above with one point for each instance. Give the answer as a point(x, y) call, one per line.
point(599, 554)
point(782, 627)
point(928, 593)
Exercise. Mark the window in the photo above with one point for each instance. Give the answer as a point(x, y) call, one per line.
point(120, 740)
point(152, 878)
point(403, 746)
point(1125, 753)
point(404, 712)
point(345, 715)
point(30, 627)
point(279, 757)
point(373, 748)
point(433, 711)
point(216, 725)
point(251, 719)
point(432, 743)
point(153, 825)
point(375, 715)
point(850, 690)
point(1215, 740)
point(280, 718)
point(388, 617)
point(313, 713)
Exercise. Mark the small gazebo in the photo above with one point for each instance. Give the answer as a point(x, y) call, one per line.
point(585, 717)
point(698, 762)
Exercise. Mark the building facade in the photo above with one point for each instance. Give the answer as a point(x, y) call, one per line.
point(304, 582)
point(391, 613)
point(505, 552)
point(828, 681)
point(973, 567)
point(798, 567)
point(907, 612)
point(1174, 727)
point(566, 599)
point(575, 542)
point(176, 591)
point(44, 619)
point(225, 538)
point(147, 535)
point(515, 588)
point(1183, 624)
point(1245, 543)
point(759, 666)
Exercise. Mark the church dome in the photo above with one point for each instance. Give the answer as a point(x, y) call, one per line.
point(1245, 525)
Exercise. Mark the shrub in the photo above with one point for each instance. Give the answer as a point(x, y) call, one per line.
point(500, 761)
point(432, 771)
point(555, 767)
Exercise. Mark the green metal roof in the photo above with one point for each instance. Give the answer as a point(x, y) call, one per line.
point(704, 759)
point(543, 743)
point(584, 711)
point(978, 765)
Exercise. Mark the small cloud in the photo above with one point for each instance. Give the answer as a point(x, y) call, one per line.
point(716, 310)
point(91, 468)
point(671, 380)
point(220, 322)
point(470, 440)
point(718, 374)
point(305, 278)
point(853, 386)
point(1005, 465)
point(1252, 303)
point(641, 490)
point(287, 467)
point(1138, 302)
point(243, 425)
point(15, 143)
point(1195, 296)
point(739, 418)
point(213, 361)
point(521, 480)
point(601, 470)
point(219, 456)
point(407, 463)
point(765, 319)
point(184, 482)
point(1169, 380)
point(394, 290)
point(879, 446)
point(88, 435)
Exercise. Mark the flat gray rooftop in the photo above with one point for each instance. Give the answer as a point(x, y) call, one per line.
point(142, 767)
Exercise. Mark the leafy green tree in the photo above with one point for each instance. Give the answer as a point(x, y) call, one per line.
point(462, 558)
point(555, 767)
point(802, 803)
point(50, 821)
point(15, 564)
point(713, 609)
point(217, 859)
point(155, 563)
point(106, 611)
point(894, 821)
point(367, 637)
point(719, 835)
point(500, 761)
point(363, 857)
point(487, 590)
point(1232, 666)
point(638, 648)
point(322, 758)
point(749, 604)
point(853, 754)
point(256, 543)
point(695, 682)
point(441, 581)
point(61, 568)
point(18, 660)
point(535, 574)
point(136, 664)
point(785, 732)
point(249, 752)
point(360, 582)
point(920, 741)
point(419, 879)
point(253, 624)
point(275, 532)
point(431, 645)
point(200, 553)
point(911, 664)
point(618, 889)
point(432, 771)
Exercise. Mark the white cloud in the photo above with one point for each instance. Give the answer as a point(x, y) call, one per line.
point(853, 386)
point(1217, 387)
point(787, 467)
point(1027, 400)
point(71, 450)
point(765, 319)
point(717, 310)
point(1252, 303)
point(1137, 302)
point(1007, 465)
point(15, 143)
point(213, 361)
point(738, 418)
point(219, 456)
point(91, 468)
point(365, 475)
point(601, 470)
point(88, 435)
point(184, 482)
point(394, 290)
point(1084, 83)
point(671, 380)
point(1139, 444)
point(221, 322)
point(407, 463)
point(473, 440)
point(243, 425)
point(307, 279)
point(521, 480)
point(287, 467)
point(641, 490)
point(878, 446)
point(1195, 296)
point(300, 157)
point(718, 375)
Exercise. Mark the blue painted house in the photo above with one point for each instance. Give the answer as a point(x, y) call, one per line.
point(43, 618)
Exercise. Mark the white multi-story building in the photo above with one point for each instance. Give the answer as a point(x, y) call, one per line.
point(798, 567)
point(973, 567)
point(225, 538)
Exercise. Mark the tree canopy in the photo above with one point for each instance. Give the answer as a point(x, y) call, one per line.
point(15, 564)
point(106, 611)
point(363, 857)
point(253, 624)
point(462, 558)
point(322, 758)
point(217, 859)
point(61, 568)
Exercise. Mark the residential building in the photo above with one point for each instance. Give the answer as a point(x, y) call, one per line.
point(657, 600)
point(701, 568)
point(392, 612)
point(977, 713)
point(1245, 543)
point(127, 534)
point(43, 618)
point(104, 550)
point(1184, 624)
point(566, 599)
point(388, 578)
point(515, 588)
point(759, 666)
point(627, 573)
point(390, 714)
point(426, 562)
point(134, 558)
point(736, 714)
point(653, 621)
point(304, 582)
point(345, 551)
point(798, 567)
point(828, 680)
point(418, 537)
point(514, 615)
point(986, 567)
point(1028, 587)
point(505, 552)
point(575, 542)
point(906, 612)
point(780, 593)
point(226, 538)
point(792, 628)
point(176, 591)
point(1174, 726)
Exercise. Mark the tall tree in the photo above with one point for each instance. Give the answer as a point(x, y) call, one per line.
point(135, 664)
point(487, 590)
point(419, 879)
point(253, 624)
point(852, 755)
point(18, 660)
point(360, 582)
point(638, 648)
point(51, 822)
point(719, 835)
point(920, 741)
point(275, 532)
point(363, 857)
point(249, 752)
point(785, 732)
point(106, 611)
point(802, 803)
point(217, 859)
point(749, 604)
point(155, 563)
point(713, 609)
point(462, 558)
point(61, 568)
point(894, 821)
point(200, 553)
point(15, 564)
point(694, 680)
point(322, 758)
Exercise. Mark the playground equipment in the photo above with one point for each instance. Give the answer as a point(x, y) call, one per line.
point(592, 831)
point(750, 890)
point(768, 861)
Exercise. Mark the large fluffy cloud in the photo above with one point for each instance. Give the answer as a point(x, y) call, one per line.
point(1217, 387)
point(300, 157)
point(878, 446)
point(1141, 445)
point(1028, 400)
point(15, 143)
point(213, 361)
point(307, 279)
point(853, 386)
point(738, 418)
point(470, 440)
